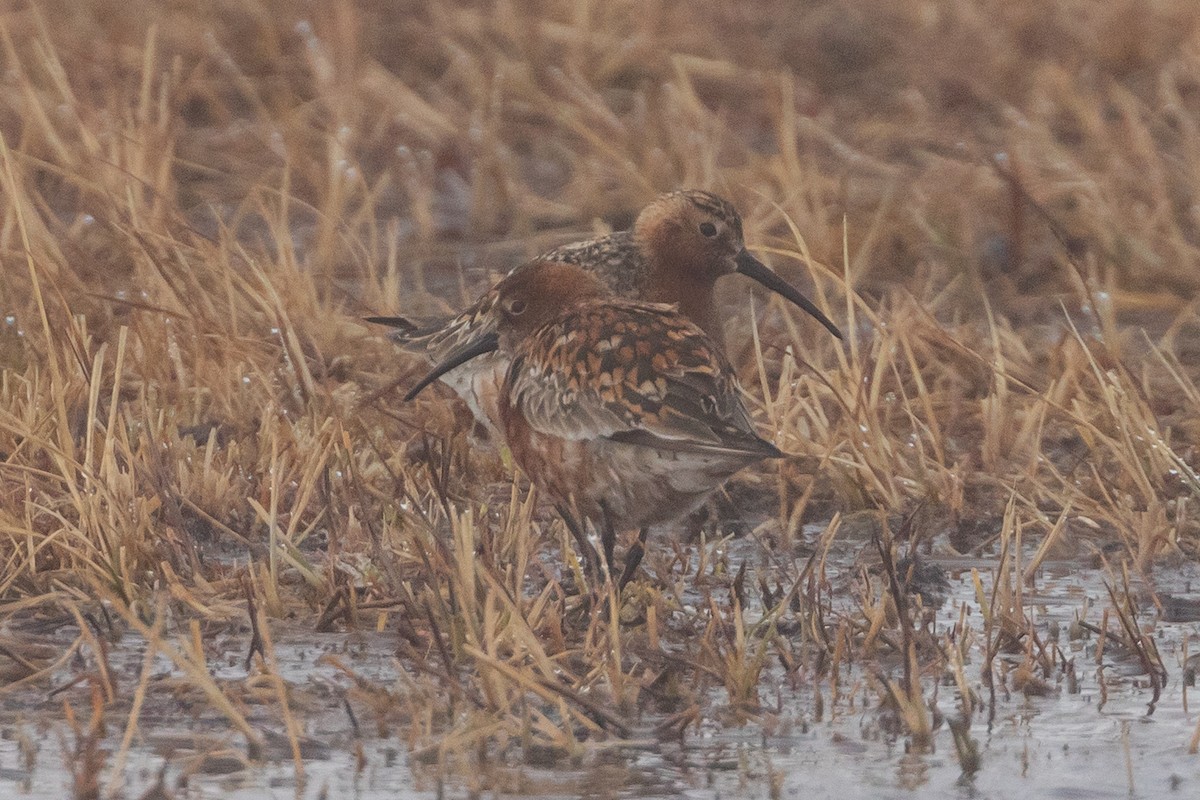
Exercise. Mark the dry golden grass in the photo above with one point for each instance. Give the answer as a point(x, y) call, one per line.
point(997, 199)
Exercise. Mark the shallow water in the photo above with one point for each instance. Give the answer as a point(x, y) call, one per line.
point(1103, 741)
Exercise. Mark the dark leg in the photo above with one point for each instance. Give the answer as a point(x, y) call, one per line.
point(633, 559)
point(591, 560)
point(608, 540)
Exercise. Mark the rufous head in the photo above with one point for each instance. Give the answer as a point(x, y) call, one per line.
point(525, 300)
point(691, 238)
point(537, 293)
point(693, 228)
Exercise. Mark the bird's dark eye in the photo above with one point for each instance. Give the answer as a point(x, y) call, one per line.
point(708, 229)
point(516, 307)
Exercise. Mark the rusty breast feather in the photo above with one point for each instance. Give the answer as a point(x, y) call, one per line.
point(632, 372)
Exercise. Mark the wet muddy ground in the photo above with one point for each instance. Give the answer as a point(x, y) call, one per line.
point(201, 200)
point(1089, 729)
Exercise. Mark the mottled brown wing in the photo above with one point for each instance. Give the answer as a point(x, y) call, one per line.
point(633, 372)
point(438, 339)
point(612, 258)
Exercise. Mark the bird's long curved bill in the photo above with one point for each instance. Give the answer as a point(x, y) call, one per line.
point(487, 343)
point(751, 267)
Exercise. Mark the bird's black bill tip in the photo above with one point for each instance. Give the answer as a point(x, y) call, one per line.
point(401, 323)
point(751, 267)
point(474, 348)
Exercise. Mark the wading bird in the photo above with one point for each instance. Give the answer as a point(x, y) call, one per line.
point(625, 413)
point(679, 247)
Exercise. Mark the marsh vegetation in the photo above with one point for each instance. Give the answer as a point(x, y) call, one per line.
point(233, 562)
